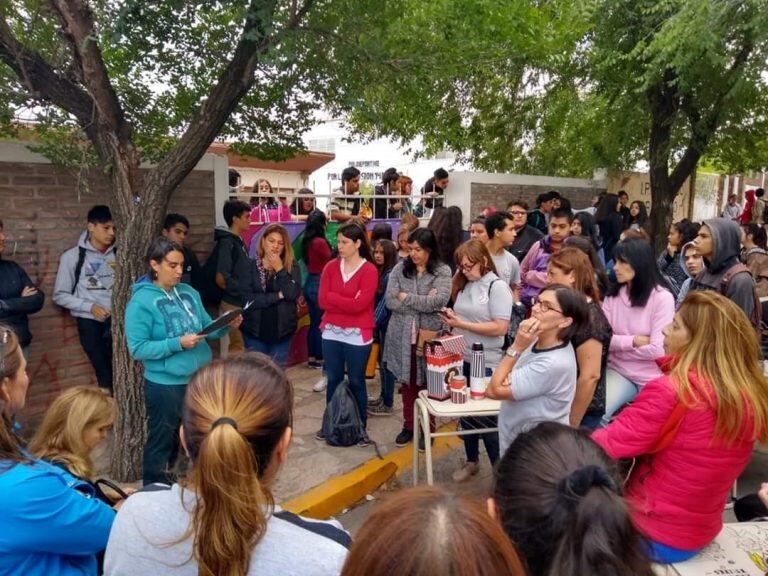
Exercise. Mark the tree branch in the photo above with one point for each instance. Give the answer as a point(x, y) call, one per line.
point(233, 84)
point(78, 25)
point(42, 81)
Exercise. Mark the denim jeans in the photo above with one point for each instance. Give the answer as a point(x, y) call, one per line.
point(387, 387)
point(618, 391)
point(314, 336)
point(164, 404)
point(472, 441)
point(338, 355)
point(278, 351)
point(96, 340)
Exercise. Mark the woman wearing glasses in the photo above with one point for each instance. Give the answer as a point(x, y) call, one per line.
point(537, 377)
point(481, 311)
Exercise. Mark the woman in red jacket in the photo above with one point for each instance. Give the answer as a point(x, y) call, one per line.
point(693, 428)
point(347, 292)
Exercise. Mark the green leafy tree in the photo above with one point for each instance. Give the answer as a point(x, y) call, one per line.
point(564, 87)
point(112, 84)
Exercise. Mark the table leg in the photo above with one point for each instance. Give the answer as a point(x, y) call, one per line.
point(416, 412)
point(427, 442)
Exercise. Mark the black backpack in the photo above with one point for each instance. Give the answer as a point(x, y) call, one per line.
point(210, 292)
point(342, 425)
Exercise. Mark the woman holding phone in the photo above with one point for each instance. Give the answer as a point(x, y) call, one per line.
point(163, 322)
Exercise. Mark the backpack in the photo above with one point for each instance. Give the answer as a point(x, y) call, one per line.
point(79, 265)
point(757, 313)
point(342, 425)
point(210, 292)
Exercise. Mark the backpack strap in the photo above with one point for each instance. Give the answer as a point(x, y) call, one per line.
point(669, 429)
point(78, 267)
point(740, 268)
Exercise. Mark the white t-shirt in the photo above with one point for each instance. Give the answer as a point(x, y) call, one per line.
point(543, 385)
point(507, 267)
point(484, 300)
point(147, 528)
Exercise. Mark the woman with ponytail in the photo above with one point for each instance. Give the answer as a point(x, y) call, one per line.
point(50, 522)
point(222, 520)
point(558, 497)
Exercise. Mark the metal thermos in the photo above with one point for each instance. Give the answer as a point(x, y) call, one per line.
point(477, 380)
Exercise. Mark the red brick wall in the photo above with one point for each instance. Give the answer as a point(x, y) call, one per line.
point(44, 216)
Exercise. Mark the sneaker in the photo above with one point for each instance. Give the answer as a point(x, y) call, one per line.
point(422, 449)
point(364, 442)
point(320, 385)
point(380, 410)
point(374, 401)
point(319, 435)
point(466, 472)
point(404, 438)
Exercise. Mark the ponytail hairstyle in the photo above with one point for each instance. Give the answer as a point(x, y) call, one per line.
point(59, 439)
point(558, 497)
point(236, 412)
point(11, 360)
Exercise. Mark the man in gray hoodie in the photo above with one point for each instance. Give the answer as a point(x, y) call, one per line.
point(84, 287)
point(719, 244)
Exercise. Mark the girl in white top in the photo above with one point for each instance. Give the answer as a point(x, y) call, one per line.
point(236, 429)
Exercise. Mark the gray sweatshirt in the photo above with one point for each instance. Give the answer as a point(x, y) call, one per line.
point(146, 532)
point(94, 286)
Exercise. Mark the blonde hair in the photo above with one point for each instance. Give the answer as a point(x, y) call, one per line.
point(724, 352)
point(10, 363)
point(287, 255)
point(235, 413)
point(59, 438)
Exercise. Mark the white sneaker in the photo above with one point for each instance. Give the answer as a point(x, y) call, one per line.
point(466, 472)
point(320, 385)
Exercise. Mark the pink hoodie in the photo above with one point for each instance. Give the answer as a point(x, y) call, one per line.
point(638, 364)
point(677, 496)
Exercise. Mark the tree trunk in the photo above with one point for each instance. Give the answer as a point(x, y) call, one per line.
point(138, 222)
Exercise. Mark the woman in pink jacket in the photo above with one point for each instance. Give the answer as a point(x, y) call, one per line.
point(692, 430)
point(637, 307)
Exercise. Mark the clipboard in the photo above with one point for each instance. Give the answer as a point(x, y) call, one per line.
point(224, 319)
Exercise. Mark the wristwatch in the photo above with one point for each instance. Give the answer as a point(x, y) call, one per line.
point(512, 353)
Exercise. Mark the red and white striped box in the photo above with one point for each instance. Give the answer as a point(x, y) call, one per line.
point(445, 358)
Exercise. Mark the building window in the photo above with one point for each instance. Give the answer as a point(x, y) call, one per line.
point(327, 145)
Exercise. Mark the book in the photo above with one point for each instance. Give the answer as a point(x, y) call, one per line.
point(224, 319)
point(740, 549)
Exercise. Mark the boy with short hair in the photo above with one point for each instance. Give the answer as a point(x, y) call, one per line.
point(533, 268)
point(176, 228)
point(84, 287)
point(344, 204)
point(233, 266)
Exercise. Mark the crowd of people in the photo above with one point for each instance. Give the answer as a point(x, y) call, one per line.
point(598, 349)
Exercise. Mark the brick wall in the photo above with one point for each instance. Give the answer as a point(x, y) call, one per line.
point(44, 216)
point(484, 195)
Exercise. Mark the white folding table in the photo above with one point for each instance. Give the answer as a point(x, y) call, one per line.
point(424, 406)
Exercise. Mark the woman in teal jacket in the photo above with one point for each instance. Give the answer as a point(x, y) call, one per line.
point(50, 522)
point(162, 325)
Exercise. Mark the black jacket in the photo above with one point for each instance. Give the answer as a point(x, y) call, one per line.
point(234, 265)
point(13, 308)
point(289, 283)
point(525, 238)
point(192, 274)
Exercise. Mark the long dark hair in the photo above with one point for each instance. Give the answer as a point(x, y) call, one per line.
point(585, 245)
point(448, 232)
point(159, 249)
point(638, 254)
point(389, 250)
point(606, 207)
point(425, 238)
point(642, 215)
point(315, 228)
point(588, 227)
point(559, 499)
point(354, 231)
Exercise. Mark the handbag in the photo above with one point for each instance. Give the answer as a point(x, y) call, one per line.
point(424, 336)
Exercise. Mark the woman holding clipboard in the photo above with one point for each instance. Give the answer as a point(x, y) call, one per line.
point(163, 325)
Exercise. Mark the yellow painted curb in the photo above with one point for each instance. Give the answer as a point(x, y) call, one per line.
point(340, 492)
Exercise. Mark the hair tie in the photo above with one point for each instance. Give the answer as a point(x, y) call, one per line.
point(224, 420)
point(579, 482)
